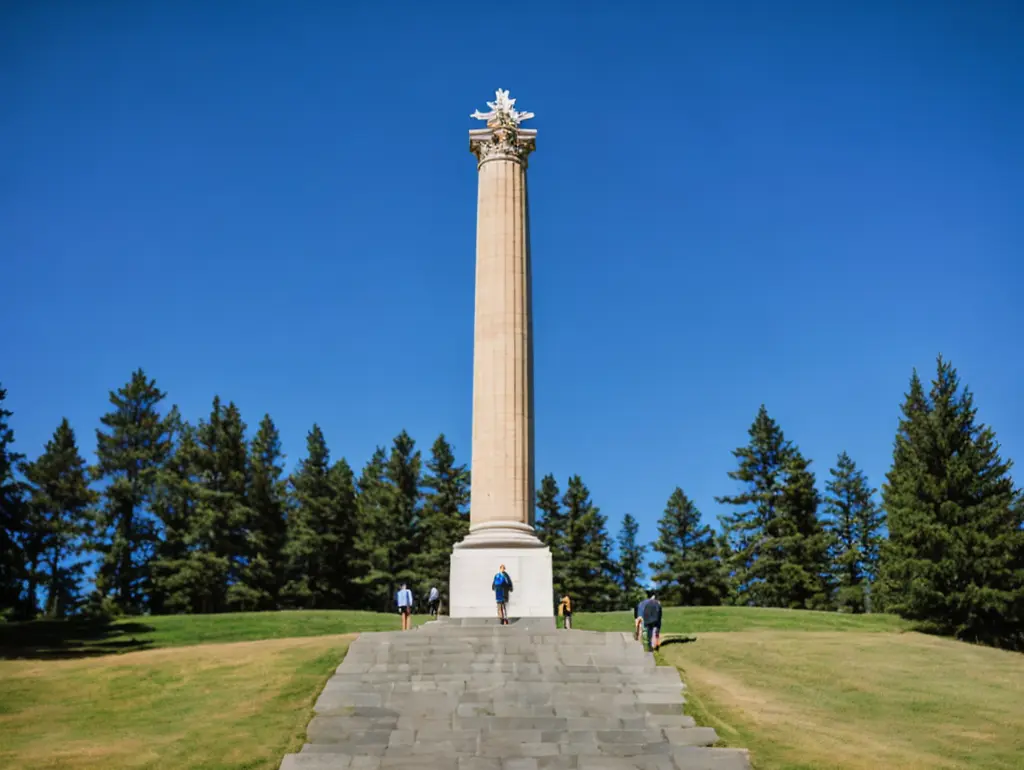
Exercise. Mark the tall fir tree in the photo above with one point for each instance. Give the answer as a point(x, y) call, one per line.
point(778, 543)
point(688, 572)
point(445, 517)
point(132, 446)
point(854, 522)
point(12, 519)
point(267, 498)
point(629, 565)
point(952, 560)
point(308, 543)
point(551, 528)
point(341, 535)
point(373, 547)
point(589, 570)
point(402, 474)
point(60, 505)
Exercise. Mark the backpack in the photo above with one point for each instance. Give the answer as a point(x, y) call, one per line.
point(650, 612)
point(500, 580)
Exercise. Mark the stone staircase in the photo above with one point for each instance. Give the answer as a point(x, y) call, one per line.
point(473, 695)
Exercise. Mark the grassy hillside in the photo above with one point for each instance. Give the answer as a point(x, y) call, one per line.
point(809, 700)
point(214, 706)
point(701, 620)
point(66, 639)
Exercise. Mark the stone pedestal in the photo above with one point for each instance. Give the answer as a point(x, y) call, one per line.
point(473, 569)
point(502, 504)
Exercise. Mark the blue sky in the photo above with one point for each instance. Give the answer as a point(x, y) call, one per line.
point(732, 203)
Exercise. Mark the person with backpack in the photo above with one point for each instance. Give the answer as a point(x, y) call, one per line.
point(638, 619)
point(502, 587)
point(404, 601)
point(651, 614)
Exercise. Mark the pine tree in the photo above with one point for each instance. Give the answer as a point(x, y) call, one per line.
point(551, 528)
point(588, 576)
point(130, 453)
point(688, 572)
point(778, 544)
point(12, 519)
point(955, 536)
point(854, 524)
point(60, 502)
point(267, 498)
point(630, 561)
point(307, 550)
point(373, 547)
point(402, 474)
point(445, 517)
point(341, 535)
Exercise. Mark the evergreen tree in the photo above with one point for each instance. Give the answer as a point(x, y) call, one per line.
point(778, 543)
point(551, 528)
point(267, 497)
point(955, 532)
point(630, 561)
point(307, 548)
point(374, 539)
point(12, 519)
point(341, 534)
point(445, 518)
point(588, 576)
point(222, 513)
point(59, 503)
point(688, 572)
point(130, 451)
point(402, 474)
point(854, 524)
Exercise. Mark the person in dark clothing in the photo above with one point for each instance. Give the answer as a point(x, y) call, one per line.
point(651, 610)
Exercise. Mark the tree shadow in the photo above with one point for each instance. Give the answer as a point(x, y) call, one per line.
point(70, 639)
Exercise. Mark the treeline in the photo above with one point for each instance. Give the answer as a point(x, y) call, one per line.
point(194, 518)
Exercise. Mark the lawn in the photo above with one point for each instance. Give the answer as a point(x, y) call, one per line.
point(73, 639)
point(701, 620)
point(212, 706)
point(818, 700)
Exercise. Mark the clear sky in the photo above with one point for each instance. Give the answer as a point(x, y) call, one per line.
point(732, 203)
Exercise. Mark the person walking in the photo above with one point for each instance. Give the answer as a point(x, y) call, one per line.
point(502, 587)
point(433, 600)
point(652, 622)
point(638, 619)
point(404, 601)
point(565, 611)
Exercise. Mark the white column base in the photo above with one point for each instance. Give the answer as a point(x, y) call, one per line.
point(473, 570)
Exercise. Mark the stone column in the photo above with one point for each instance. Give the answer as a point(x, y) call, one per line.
point(503, 483)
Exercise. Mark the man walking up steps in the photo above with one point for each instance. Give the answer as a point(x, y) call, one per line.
point(502, 587)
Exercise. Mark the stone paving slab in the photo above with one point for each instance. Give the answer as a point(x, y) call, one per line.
point(479, 696)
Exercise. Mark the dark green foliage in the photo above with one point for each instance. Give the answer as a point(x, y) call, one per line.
point(953, 559)
point(373, 540)
point(589, 570)
point(629, 567)
point(267, 500)
point(59, 504)
point(855, 522)
point(319, 547)
point(551, 528)
point(445, 517)
point(688, 572)
point(131, 449)
point(778, 544)
point(12, 519)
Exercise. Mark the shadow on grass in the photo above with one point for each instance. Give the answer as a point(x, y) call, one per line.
point(69, 639)
point(677, 640)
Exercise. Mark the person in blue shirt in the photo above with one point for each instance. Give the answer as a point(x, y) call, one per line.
point(404, 601)
point(502, 587)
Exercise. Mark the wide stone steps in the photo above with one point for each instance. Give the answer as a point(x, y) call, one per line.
point(519, 697)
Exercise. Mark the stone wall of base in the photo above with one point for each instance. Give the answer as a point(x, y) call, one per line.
point(473, 570)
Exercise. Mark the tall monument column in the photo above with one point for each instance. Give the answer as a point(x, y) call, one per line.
point(503, 484)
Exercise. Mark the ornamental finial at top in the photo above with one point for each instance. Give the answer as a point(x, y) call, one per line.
point(503, 111)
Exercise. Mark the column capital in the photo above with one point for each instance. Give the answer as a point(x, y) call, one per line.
point(502, 143)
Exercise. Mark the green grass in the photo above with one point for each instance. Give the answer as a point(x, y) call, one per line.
point(700, 620)
point(69, 639)
point(216, 706)
point(855, 700)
